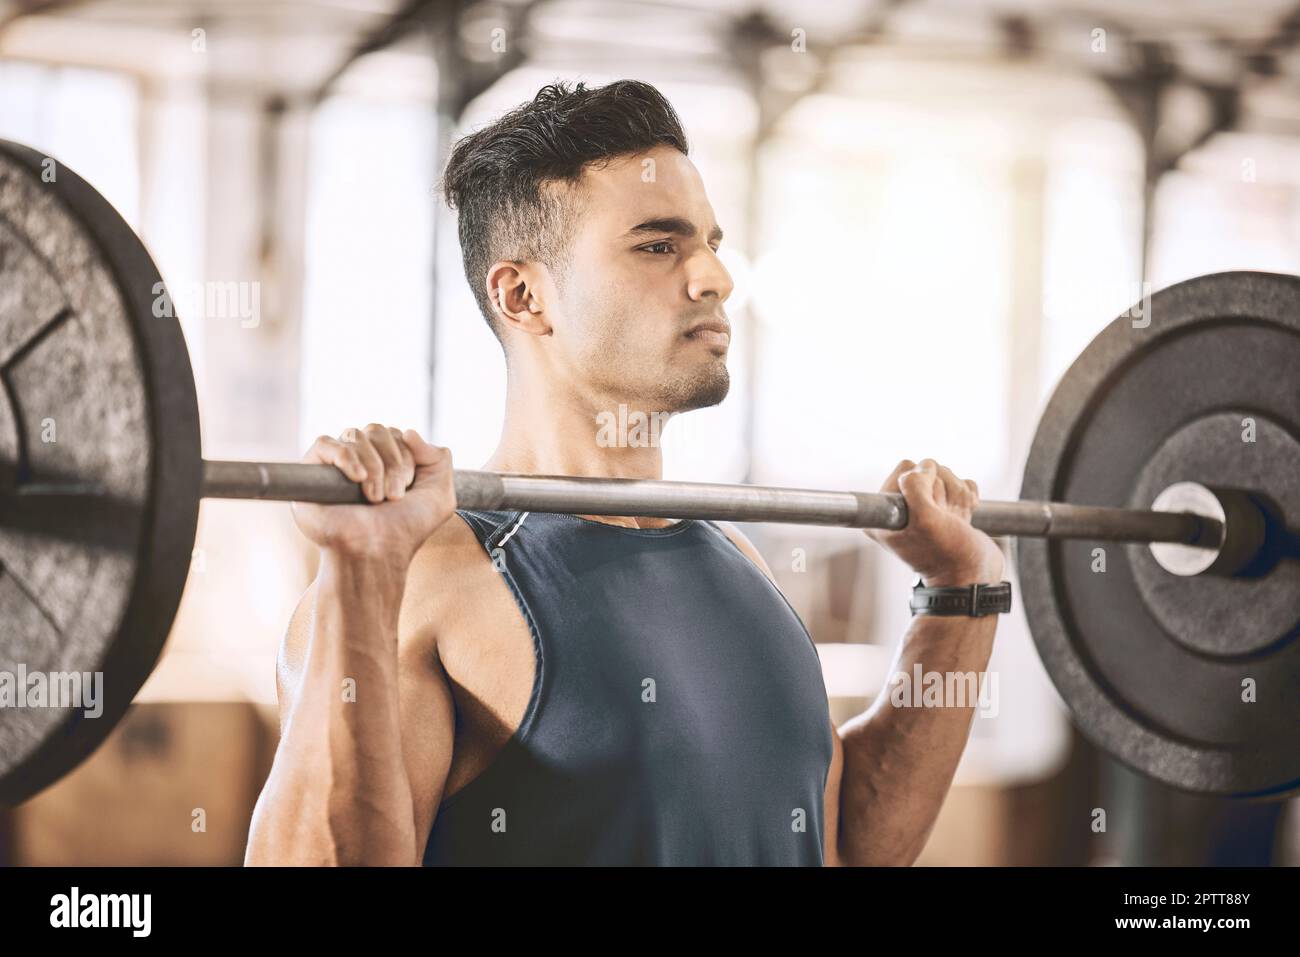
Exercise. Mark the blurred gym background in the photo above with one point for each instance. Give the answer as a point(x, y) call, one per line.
point(984, 182)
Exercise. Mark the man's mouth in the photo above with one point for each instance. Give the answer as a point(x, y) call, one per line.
point(711, 337)
point(712, 333)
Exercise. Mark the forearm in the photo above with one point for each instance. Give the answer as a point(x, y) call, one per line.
point(899, 761)
point(338, 792)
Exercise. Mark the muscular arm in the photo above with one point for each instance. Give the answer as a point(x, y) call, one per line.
point(366, 720)
point(899, 762)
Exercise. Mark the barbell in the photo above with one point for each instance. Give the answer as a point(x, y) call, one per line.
point(1177, 652)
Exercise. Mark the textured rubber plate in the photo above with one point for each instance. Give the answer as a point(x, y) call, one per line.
point(1193, 681)
point(99, 469)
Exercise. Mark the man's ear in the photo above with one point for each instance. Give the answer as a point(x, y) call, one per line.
point(515, 298)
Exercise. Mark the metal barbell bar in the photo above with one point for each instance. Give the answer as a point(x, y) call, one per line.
point(493, 491)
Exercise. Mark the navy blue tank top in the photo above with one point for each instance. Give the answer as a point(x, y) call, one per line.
point(678, 714)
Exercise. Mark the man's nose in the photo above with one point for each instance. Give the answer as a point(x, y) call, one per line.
point(709, 278)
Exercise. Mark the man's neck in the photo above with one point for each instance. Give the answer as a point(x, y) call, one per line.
point(563, 438)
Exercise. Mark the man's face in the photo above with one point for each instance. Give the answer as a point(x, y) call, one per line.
point(643, 277)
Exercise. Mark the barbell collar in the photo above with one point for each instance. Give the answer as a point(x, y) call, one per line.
point(492, 491)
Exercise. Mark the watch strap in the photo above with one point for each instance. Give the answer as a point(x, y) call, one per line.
point(991, 598)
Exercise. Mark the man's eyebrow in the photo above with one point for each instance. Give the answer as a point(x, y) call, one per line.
point(674, 225)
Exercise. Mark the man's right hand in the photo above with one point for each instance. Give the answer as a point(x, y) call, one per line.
point(403, 513)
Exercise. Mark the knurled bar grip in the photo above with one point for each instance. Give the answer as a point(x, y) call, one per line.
point(296, 481)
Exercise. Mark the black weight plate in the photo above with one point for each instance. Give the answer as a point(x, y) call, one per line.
point(1155, 668)
point(99, 463)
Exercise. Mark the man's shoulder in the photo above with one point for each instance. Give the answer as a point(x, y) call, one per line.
point(743, 543)
point(451, 540)
point(446, 569)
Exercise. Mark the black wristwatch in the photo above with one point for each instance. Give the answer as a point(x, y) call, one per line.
point(973, 600)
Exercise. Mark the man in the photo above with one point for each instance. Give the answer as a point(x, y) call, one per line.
point(531, 688)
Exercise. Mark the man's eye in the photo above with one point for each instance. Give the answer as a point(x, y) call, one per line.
point(664, 242)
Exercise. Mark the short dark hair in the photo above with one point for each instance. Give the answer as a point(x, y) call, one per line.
point(497, 176)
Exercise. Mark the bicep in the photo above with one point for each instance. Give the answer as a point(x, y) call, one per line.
point(439, 579)
point(293, 653)
point(426, 712)
point(428, 727)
